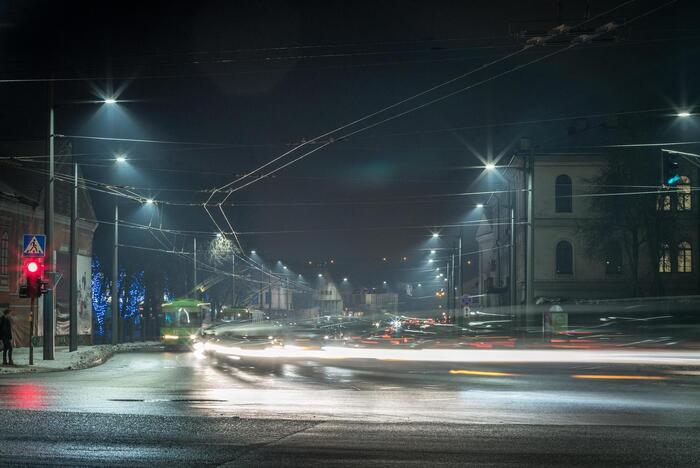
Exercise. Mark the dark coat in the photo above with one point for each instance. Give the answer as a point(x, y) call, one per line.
point(5, 328)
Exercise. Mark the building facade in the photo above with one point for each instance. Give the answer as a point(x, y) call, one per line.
point(567, 267)
point(21, 212)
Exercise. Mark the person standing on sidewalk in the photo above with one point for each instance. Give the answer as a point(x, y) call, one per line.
point(6, 337)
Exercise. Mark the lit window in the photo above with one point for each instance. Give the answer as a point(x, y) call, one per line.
point(562, 194)
point(685, 257)
point(665, 258)
point(565, 258)
point(4, 255)
point(684, 195)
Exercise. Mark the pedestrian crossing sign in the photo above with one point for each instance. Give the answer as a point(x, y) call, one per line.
point(34, 245)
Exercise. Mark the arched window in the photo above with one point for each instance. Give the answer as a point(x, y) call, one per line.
point(685, 257)
point(565, 258)
point(562, 194)
point(684, 195)
point(4, 252)
point(665, 258)
point(613, 258)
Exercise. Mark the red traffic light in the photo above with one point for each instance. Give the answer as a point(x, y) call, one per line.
point(32, 267)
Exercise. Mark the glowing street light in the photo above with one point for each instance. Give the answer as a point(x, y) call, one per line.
point(121, 158)
point(345, 280)
point(479, 205)
point(436, 235)
point(110, 101)
point(252, 252)
point(683, 114)
point(320, 275)
point(149, 201)
point(432, 252)
point(430, 260)
point(490, 166)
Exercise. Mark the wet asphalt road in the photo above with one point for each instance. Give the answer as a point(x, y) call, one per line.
point(174, 408)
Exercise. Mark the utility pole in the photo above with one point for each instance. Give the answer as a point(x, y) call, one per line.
point(73, 291)
point(194, 265)
point(49, 298)
point(447, 289)
point(513, 275)
point(530, 275)
point(459, 272)
point(233, 278)
point(115, 278)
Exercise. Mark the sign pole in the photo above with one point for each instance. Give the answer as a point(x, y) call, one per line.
point(31, 331)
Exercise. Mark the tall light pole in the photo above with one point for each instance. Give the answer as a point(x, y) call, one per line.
point(194, 266)
point(115, 278)
point(49, 298)
point(73, 290)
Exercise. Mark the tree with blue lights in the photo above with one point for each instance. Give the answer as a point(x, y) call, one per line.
point(135, 297)
point(100, 297)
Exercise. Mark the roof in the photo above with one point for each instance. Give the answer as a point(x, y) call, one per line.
point(25, 180)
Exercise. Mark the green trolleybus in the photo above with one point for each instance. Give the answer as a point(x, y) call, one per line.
point(181, 320)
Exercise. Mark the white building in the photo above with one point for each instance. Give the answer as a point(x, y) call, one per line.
point(565, 267)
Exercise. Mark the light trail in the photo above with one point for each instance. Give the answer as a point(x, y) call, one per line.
point(335, 353)
point(618, 377)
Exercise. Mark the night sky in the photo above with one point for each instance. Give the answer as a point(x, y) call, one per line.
point(227, 86)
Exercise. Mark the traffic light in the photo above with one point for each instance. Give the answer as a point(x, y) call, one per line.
point(34, 285)
point(671, 168)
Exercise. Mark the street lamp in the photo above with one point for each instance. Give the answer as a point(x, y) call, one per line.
point(110, 101)
point(683, 114)
point(121, 158)
point(436, 235)
point(490, 166)
point(479, 205)
point(149, 201)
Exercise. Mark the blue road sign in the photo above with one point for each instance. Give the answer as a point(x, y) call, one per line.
point(34, 245)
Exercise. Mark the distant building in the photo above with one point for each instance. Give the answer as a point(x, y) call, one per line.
point(327, 298)
point(22, 191)
point(375, 302)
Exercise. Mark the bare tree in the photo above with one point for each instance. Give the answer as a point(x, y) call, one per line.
point(628, 213)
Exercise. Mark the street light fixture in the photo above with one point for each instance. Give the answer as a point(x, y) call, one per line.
point(149, 201)
point(110, 101)
point(252, 252)
point(436, 235)
point(490, 166)
point(683, 114)
point(121, 158)
point(479, 205)
point(432, 252)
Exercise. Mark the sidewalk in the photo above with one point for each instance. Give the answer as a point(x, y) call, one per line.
point(86, 356)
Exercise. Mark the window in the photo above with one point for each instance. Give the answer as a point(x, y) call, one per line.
point(4, 255)
point(685, 257)
point(562, 194)
point(613, 259)
point(665, 258)
point(565, 258)
point(664, 203)
point(684, 195)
